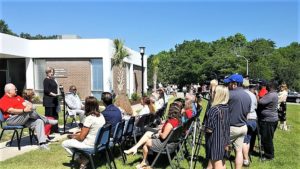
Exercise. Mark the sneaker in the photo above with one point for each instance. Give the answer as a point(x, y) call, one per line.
point(52, 122)
point(246, 163)
point(44, 147)
point(267, 159)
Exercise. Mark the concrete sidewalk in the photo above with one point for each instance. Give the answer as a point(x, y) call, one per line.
point(7, 152)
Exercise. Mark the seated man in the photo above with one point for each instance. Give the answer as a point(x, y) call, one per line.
point(74, 105)
point(111, 113)
point(17, 112)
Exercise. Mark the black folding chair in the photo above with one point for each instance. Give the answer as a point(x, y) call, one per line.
point(128, 130)
point(101, 144)
point(117, 138)
point(170, 145)
point(140, 126)
point(15, 131)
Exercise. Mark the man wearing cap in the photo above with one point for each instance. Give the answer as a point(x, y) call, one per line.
point(239, 106)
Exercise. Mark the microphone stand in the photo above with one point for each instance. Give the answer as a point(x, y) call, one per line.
point(61, 88)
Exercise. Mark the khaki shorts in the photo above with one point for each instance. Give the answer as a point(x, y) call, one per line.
point(237, 135)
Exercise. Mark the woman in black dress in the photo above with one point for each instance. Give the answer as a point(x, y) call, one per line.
point(50, 99)
point(217, 124)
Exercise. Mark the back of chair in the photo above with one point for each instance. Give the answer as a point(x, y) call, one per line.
point(142, 121)
point(175, 135)
point(118, 131)
point(129, 127)
point(187, 125)
point(1, 118)
point(103, 136)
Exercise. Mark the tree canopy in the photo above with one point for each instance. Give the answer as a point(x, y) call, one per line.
point(197, 61)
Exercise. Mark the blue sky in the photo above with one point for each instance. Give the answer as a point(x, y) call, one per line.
point(158, 25)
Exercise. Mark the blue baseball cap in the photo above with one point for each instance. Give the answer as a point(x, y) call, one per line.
point(234, 78)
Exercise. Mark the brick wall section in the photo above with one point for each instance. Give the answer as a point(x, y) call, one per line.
point(78, 74)
point(137, 79)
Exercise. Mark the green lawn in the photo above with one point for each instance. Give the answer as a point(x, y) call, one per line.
point(287, 151)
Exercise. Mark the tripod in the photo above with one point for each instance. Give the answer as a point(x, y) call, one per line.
point(61, 89)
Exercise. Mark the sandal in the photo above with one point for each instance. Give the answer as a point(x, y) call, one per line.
point(141, 165)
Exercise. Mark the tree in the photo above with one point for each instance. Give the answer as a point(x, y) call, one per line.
point(118, 60)
point(5, 29)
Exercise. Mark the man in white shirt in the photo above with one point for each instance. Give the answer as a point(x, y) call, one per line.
point(73, 103)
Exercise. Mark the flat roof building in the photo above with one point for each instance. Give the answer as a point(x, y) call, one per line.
point(85, 63)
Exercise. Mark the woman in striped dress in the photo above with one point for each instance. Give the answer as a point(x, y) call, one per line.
point(217, 125)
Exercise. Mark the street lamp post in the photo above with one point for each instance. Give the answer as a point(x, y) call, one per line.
point(142, 52)
point(247, 61)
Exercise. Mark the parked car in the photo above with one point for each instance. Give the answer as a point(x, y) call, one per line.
point(293, 97)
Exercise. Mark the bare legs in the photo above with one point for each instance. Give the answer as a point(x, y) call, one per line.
point(219, 164)
point(238, 158)
point(142, 141)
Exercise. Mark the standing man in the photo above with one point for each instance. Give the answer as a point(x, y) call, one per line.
point(17, 112)
point(268, 119)
point(239, 106)
point(111, 113)
point(74, 105)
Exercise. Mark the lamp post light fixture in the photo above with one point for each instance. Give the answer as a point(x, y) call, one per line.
point(142, 52)
point(246, 61)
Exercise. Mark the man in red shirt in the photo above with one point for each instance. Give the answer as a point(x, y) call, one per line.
point(17, 112)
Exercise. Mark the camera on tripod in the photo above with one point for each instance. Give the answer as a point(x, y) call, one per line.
point(61, 89)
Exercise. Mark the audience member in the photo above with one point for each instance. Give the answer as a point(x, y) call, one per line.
point(155, 141)
point(123, 103)
point(251, 124)
point(268, 119)
point(111, 113)
point(282, 95)
point(85, 139)
point(217, 136)
point(239, 106)
point(147, 106)
point(74, 105)
point(263, 89)
point(50, 99)
point(17, 111)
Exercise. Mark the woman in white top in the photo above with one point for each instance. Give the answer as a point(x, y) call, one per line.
point(282, 95)
point(86, 137)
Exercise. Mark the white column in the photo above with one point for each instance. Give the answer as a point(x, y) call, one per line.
point(131, 80)
point(29, 73)
point(107, 74)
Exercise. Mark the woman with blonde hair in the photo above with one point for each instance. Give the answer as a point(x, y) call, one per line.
point(217, 123)
point(123, 103)
point(282, 95)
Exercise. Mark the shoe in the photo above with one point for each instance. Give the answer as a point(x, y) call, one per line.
point(52, 122)
point(267, 159)
point(141, 165)
point(83, 162)
point(246, 163)
point(44, 147)
point(132, 151)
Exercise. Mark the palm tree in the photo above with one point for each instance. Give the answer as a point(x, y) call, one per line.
point(118, 60)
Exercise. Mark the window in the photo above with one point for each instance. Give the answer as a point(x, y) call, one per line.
point(39, 74)
point(97, 77)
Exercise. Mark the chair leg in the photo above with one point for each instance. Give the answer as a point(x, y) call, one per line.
point(91, 161)
point(19, 139)
point(1, 134)
point(122, 152)
point(112, 158)
point(155, 159)
point(72, 161)
point(107, 158)
point(12, 137)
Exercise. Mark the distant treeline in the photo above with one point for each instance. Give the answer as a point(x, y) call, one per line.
point(198, 62)
point(5, 29)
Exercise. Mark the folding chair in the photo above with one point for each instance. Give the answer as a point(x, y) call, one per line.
point(117, 138)
point(128, 130)
point(71, 116)
point(15, 131)
point(101, 144)
point(170, 145)
point(140, 126)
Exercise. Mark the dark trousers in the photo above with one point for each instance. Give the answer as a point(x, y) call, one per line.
point(52, 112)
point(267, 130)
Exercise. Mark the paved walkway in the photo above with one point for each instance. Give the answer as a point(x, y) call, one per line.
point(7, 152)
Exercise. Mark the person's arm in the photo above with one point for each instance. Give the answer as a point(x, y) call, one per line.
point(166, 131)
point(82, 135)
point(19, 111)
point(47, 88)
point(265, 100)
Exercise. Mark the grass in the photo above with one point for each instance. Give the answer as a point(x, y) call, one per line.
point(287, 151)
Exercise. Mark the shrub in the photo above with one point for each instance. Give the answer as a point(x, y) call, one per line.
point(135, 97)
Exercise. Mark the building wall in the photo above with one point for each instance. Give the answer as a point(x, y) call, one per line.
point(78, 73)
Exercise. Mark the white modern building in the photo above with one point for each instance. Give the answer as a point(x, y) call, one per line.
point(85, 63)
